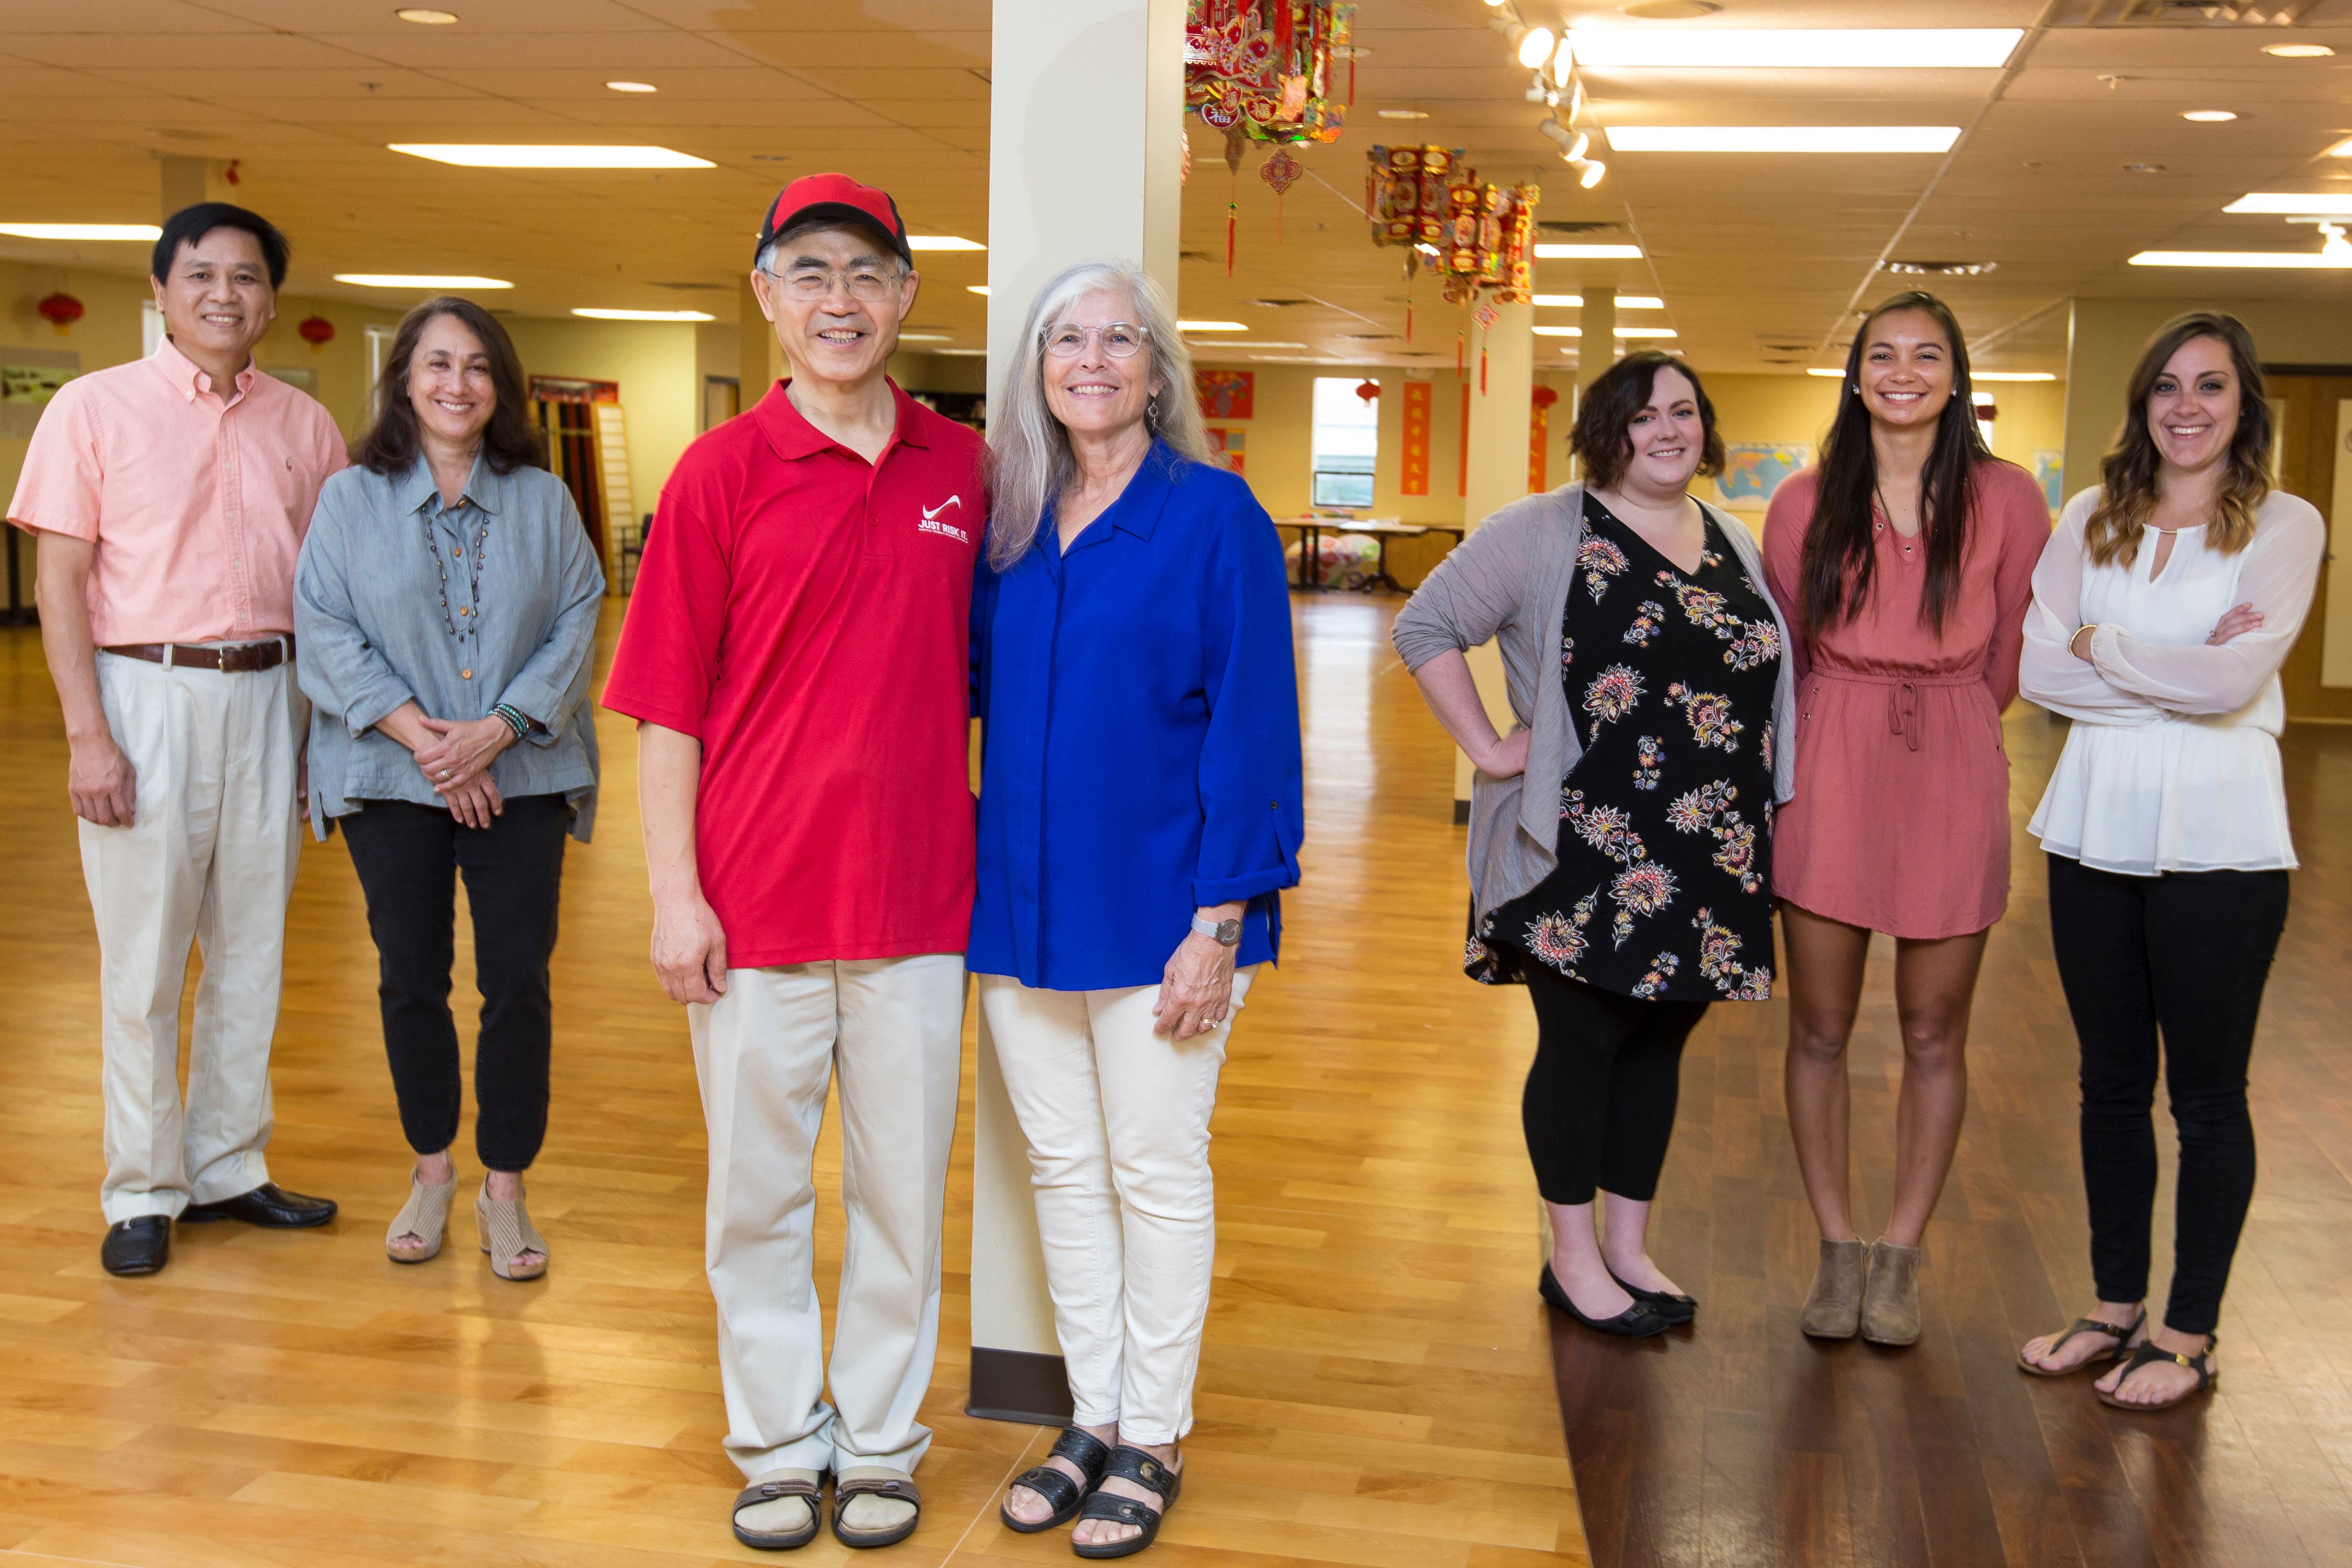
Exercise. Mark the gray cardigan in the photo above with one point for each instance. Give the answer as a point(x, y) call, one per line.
point(1510, 581)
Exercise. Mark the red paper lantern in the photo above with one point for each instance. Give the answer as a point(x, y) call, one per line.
point(317, 332)
point(1369, 390)
point(1544, 396)
point(62, 311)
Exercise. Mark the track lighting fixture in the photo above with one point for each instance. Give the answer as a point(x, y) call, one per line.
point(1590, 172)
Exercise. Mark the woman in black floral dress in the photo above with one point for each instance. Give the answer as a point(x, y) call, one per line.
point(1659, 902)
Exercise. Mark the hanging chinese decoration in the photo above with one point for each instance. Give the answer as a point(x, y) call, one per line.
point(1478, 239)
point(317, 332)
point(1260, 70)
point(61, 310)
point(1540, 402)
point(1281, 172)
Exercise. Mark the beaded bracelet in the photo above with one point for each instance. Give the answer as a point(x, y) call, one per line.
point(514, 719)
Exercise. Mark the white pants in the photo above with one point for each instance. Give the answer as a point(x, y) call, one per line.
point(209, 857)
point(892, 1029)
point(1117, 1123)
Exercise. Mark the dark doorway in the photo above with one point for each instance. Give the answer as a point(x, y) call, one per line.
point(563, 409)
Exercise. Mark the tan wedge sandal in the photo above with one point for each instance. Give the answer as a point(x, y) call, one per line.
point(506, 1234)
point(421, 1222)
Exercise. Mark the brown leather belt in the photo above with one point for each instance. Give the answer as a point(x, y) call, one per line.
point(244, 658)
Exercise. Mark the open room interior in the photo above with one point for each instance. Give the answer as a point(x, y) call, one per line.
point(1400, 248)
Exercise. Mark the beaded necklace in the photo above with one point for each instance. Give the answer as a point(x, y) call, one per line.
point(472, 609)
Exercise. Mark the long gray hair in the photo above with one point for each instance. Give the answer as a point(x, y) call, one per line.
point(1030, 461)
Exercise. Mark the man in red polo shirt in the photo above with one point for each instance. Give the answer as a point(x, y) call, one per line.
point(796, 658)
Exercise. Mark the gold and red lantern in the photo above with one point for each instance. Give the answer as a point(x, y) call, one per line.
point(1480, 239)
point(1267, 65)
point(317, 332)
point(61, 310)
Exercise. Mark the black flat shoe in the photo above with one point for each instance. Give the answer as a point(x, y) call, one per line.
point(1674, 1307)
point(135, 1246)
point(1638, 1322)
point(267, 1204)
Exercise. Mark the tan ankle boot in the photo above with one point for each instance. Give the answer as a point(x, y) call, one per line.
point(1833, 1306)
point(1890, 1302)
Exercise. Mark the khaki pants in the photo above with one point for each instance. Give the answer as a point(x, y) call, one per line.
point(209, 858)
point(892, 1029)
point(1117, 1117)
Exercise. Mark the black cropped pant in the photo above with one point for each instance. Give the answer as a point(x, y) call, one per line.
point(408, 858)
point(2181, 958)
point(1599, 1107)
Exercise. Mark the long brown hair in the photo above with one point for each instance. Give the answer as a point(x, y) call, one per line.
point(390, 444)
point(1838, 558)
point(2127, 473)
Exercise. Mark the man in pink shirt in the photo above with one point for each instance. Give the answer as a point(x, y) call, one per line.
point(169, 497)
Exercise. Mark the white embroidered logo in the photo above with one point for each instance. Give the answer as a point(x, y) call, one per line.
point(932, 524)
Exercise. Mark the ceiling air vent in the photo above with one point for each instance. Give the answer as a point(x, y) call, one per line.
point(1564, 226)
point(2196, 13)
point(1370, 337)
point(1279, 304)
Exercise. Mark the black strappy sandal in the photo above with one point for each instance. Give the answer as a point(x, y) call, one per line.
point(2116, 1351)
point(1130, 1464)
point(2151, 1353)
point(1082, 1449)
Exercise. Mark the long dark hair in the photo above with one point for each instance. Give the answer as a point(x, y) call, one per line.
point(2128, 474)
point(391, 445)
point(1602, 439)
point(1838, 556)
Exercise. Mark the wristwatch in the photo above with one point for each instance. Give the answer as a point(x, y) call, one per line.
point(1227, 932)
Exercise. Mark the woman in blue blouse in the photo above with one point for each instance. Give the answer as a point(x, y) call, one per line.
point(1138, 811)
point(446, 605)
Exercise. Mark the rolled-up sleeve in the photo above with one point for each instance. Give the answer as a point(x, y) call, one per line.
point(1251, 773)
point(553, 684)
point(341, 671)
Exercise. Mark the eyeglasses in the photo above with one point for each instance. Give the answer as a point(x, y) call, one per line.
point(1120, 339)
point(865, 284)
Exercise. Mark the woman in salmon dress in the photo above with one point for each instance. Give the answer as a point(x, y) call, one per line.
point(1906, 561)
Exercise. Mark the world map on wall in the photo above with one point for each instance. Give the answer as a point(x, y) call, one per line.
point(1753, 470)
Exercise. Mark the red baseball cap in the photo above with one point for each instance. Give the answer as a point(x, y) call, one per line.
point(835, 197)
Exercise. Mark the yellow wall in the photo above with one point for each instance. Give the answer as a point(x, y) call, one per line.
point(656, 367)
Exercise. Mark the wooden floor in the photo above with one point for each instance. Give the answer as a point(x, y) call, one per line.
point(1376, 1386)
point(1745, 1444)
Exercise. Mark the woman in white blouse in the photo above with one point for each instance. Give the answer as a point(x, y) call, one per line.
point(2162, 609)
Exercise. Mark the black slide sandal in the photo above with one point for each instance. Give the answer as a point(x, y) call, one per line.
point(1130, 1464)
point(1089, 1453)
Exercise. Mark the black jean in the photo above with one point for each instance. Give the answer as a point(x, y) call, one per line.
point(1599, 1107)
point(2184, 956)
point(408, 857)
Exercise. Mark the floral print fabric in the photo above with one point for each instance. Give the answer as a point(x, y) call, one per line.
point(1664, 886)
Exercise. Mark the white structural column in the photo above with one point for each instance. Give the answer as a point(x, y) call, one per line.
point(1500, 408)
point(1055, 198)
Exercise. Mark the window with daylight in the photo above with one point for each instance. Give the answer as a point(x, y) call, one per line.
point(1347, 443)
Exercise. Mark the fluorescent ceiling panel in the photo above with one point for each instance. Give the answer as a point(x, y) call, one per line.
point(486, 155)
point(2293, 258)
point(602, 315)
point(1782, 138)
point(1973, 375)
point(1625, 301)
point(139, 231)
point(1620, 331)
point(1212, 326)
point(1798, 49)
point(2311, 204)
point(420, 281)
point(1588, 252)
point(942, 242)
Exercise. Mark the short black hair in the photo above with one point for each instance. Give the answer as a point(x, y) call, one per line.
point(190, 225)
point(1602, 440)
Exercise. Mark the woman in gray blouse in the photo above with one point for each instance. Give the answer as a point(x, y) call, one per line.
point(445, 609)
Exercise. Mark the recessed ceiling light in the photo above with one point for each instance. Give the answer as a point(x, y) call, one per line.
point(595, 315)
point(532, 155)
point(2298, 51)
point(979, 289)
point(1799, 48)
point(632, 87)
point(1943, 268)
point(942, 242)
point(2143, 168)
point(962, 352)
point(2209, 116)
point(425, 17)
point(142, 231)
point(925, 338)
point(2328, 204)
point(1588, 252)
point(2341, 150)
point(1405, 114)
point(1782, 138)
point(1625, 301)
point(1212, 326)
point(420, 281)
point(2281, 259)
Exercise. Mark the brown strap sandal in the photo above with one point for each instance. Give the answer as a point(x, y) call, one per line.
point(2115, 1351)
point(2152, 1353)
point(873, 1480)
point(808, 1486)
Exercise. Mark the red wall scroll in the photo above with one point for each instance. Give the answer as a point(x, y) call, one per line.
point(1412, 463)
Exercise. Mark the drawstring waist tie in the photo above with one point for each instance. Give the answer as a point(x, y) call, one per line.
point(1902, 695)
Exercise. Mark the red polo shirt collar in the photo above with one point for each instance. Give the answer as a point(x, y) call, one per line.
point(793, 438)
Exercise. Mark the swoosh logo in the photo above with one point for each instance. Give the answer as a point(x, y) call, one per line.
point(932, 513)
